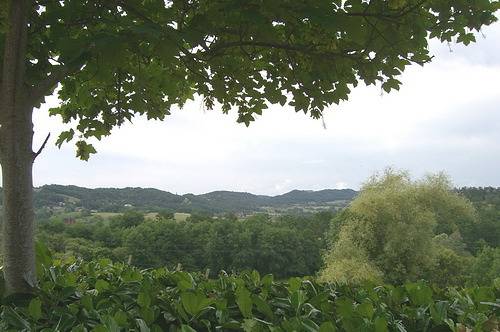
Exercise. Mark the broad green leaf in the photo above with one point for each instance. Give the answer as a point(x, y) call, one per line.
point(194, 303)
point(187, 328)
point(309, 325)
point(297, 298)
point(143, 299)
point(121, 318)
point(262, 306)
point(101, 285)
point(365, 309)
point(294, 284)
point(84, 150)
point(244, 301)
point(148, 314)
point(381, 324)
point(87, 302)
point(327, 327)
point(35, 308)
point(249, 325)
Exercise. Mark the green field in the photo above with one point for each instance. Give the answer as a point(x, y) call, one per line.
point(179, 216)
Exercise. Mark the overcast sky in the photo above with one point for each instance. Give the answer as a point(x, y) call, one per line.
point(446, 118)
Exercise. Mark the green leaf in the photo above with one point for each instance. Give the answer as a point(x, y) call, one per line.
point(297, 298)
point(87, 302)
point(187, 328)
point(148, 314)
point(43, 257)
point(294, 284)
point(244, 301)
point(391, 84)
point(143, 299)
point(419, 293)
point(143, 327)
point(184, 280)
point(65, 136)
point(249, 325)
point(35, 308)
point(121, 318)
point(101, 285)
point(439, 311)
point(110, 324)
point(381, 324)
point(262, 306)
point(309, 325)
point(84, 150)
point(327, 327)
point(365, 309)
point(194, 303)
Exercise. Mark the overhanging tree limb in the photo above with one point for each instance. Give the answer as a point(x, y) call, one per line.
point(39, 151)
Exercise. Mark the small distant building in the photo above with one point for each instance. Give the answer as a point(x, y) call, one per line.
point(128, 205)
point(69, 221)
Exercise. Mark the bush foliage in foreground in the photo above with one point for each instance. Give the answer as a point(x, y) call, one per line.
point(102, 296)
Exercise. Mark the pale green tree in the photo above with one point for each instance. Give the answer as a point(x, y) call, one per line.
point(388, 231)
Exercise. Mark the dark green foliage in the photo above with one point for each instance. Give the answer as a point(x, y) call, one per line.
point(486, 268)
point(286, 246)
point(127, 220)
point(101, 296)
point(486, 231)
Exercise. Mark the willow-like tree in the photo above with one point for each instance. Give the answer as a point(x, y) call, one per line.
point(114, 59)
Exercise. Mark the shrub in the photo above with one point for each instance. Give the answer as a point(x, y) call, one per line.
point(102, 296)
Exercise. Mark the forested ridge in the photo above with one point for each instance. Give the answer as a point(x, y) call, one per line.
point(149, 199)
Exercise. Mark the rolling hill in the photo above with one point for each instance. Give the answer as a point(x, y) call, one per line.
point(118, 199)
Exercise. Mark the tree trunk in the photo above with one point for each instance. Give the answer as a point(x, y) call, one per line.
point(18, 213)
point(16, 157)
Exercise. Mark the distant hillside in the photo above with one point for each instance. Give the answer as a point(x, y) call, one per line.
point(116, 200)
point(310, 196)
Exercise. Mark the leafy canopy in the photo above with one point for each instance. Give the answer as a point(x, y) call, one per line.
point(116, 59)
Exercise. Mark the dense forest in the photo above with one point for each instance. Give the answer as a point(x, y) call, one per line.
point(285, 246)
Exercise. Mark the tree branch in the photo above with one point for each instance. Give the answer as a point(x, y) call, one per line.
point(46, 86)
point(405, 11)
point(308, 49)
point(36, 154)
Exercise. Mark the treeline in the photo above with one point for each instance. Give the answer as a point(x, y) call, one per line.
point(287, 246)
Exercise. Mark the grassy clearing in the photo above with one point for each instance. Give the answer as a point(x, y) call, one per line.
point(179, 216)
point(106, 215)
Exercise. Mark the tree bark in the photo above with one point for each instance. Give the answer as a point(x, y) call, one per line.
point(18, 213)
point(16, 157)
